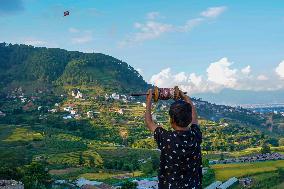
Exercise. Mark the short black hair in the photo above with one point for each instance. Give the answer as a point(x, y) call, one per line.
point(181, 113)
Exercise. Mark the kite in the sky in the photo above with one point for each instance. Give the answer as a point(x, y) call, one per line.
point(66, 13)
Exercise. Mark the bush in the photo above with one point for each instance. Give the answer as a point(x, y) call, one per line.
point(265, 148)
point(129, 185)
point(36, 176)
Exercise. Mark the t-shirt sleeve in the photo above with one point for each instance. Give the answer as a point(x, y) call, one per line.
point(160, 135)
point(197, 132)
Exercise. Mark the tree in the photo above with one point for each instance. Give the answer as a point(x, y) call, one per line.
point(81, 159)
point(205, 162)
point(92, 161)
point(129, 185)
point(147, 167)
point(36, 176)
point(281, 142)
point(11, 173)
point(222, 157)
point(265, 148)
point(273, 141)
point(281, 172)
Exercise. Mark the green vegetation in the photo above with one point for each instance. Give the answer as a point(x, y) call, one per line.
point(43, 67)
point(34, 176)
point(129, 185)
point(225, 171)
point(22, 134)
point(104, 138)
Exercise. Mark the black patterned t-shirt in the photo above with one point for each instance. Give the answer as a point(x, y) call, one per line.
point(180, 161)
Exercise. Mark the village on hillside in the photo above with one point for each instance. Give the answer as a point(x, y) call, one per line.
point(85, 132)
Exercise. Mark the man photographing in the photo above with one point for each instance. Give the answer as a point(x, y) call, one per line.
point(180, 161)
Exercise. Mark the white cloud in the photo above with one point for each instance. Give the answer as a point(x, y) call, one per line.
point(153, 15)
point(34, 42)
point(246, 70)
point(213, 12)
point(262, 78)
point(73, 30)
point(187, 82)
point(84, 37)
point(152, 29)
point(280, 70)
point(220, 73)
point(161, 78)
point(149, 30)
point(190, 24)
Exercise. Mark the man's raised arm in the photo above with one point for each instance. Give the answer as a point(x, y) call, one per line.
point(148, 116)
point(194, 113)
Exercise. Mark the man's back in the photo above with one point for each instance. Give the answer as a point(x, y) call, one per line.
point(180, 162)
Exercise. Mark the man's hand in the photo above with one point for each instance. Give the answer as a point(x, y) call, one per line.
point(188, 100)
point(184, 97)
point(148, 116)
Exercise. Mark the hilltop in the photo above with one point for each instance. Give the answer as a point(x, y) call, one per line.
point(39, 68)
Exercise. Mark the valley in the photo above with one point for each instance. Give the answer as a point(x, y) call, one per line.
point(70, 116)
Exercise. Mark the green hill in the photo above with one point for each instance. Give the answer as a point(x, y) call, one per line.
point(45, 68)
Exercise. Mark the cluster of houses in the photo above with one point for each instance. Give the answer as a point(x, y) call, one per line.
point(246, 182)
point(11, 184)
point(77, 94)
point(220, 110)
point(72, 113)
point(254, 158)
point(150, 183)
point(115, 96)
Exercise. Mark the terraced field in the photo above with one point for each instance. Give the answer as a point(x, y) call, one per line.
point(226, 171)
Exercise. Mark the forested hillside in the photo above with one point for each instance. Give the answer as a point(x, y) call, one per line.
point(45, 68)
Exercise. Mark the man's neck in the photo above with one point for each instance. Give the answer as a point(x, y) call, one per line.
point(178, 128)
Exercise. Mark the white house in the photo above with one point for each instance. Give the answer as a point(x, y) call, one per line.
point(73, 112)
point(79, 95)
point(67, 117)
point(67, 109)
point(2, 114)
point(115, 96)
point(53, 110)
point(23, 99)
point(90, 114)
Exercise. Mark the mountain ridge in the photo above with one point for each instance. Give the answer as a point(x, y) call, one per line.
point(239, 97)
point(57, 67)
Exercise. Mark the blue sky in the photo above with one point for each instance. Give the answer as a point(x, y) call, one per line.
point(203, 46)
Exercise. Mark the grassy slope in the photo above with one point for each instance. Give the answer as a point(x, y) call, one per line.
point(225, 171)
